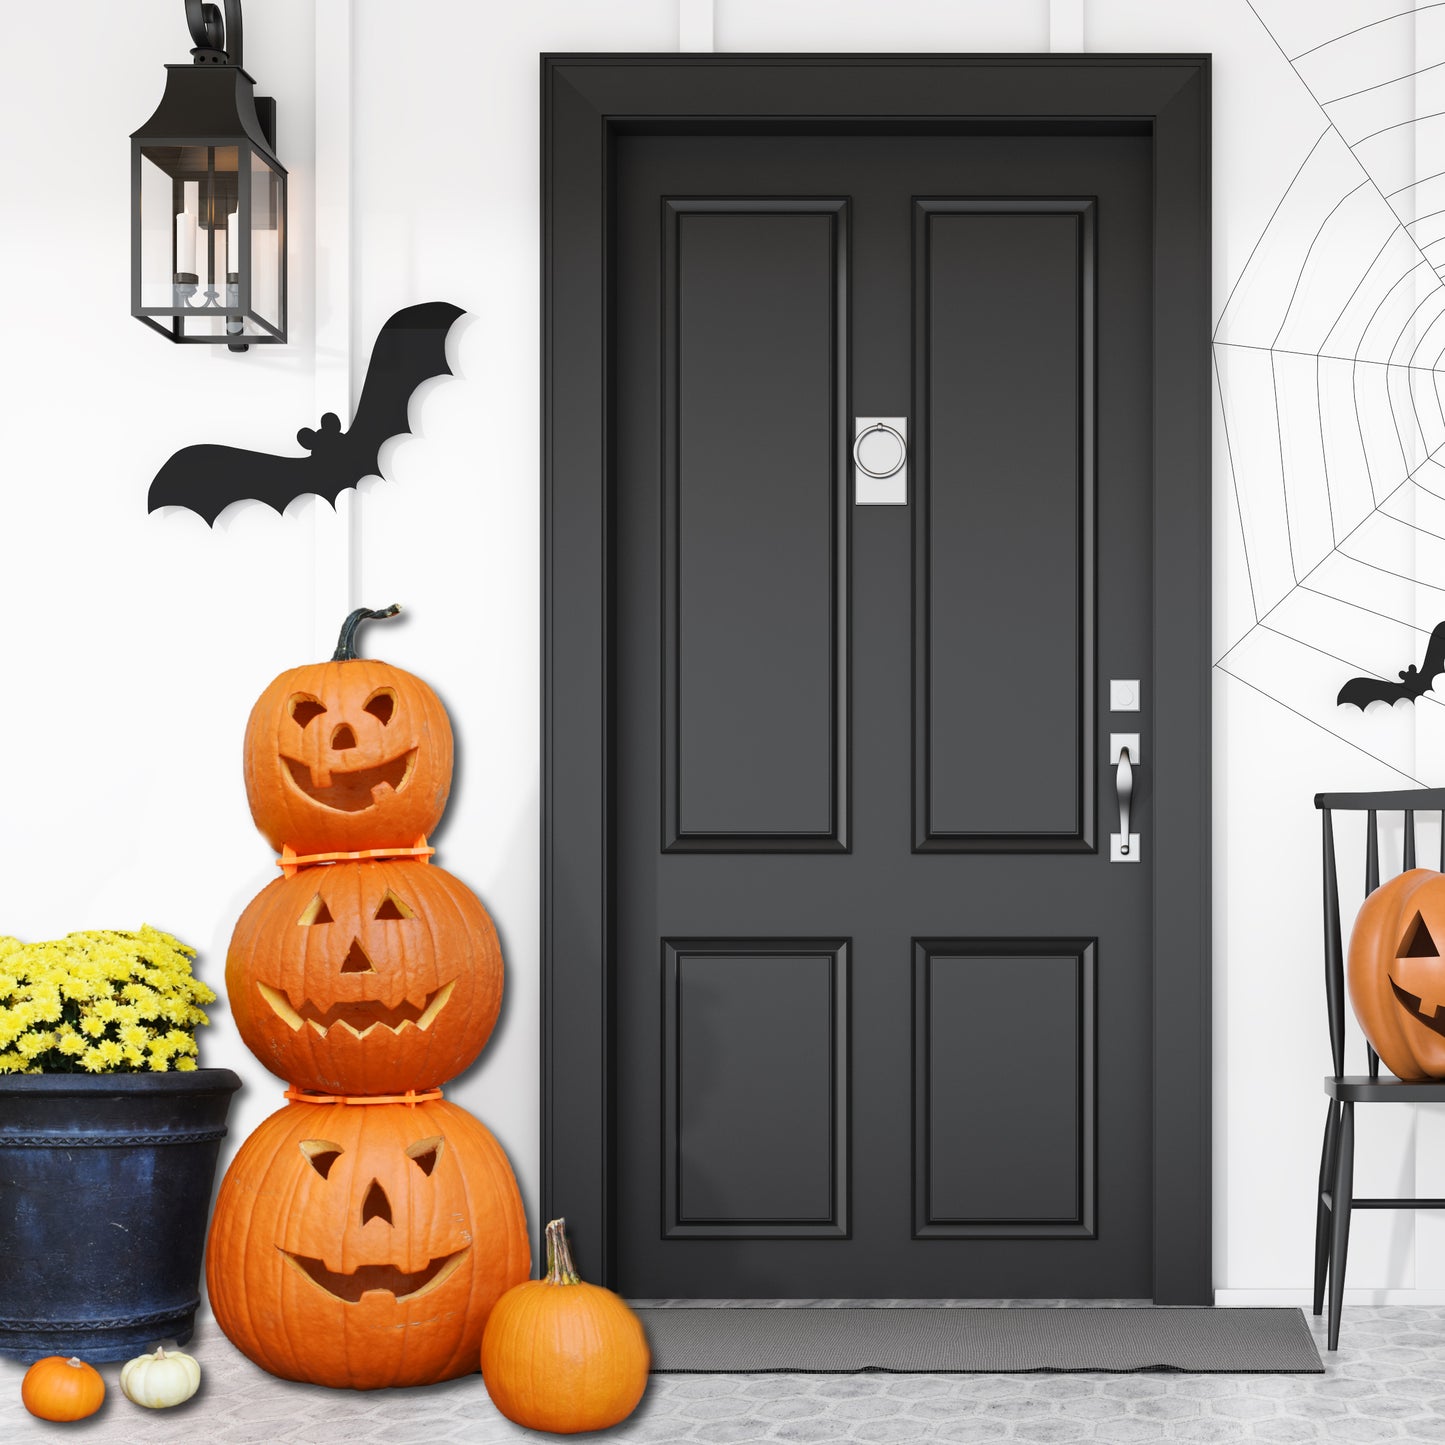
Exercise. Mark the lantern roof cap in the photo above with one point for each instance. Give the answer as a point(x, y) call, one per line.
point(208, 103)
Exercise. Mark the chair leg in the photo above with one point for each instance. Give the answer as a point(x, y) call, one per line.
point(1340, 1223)
point(1322, 1211)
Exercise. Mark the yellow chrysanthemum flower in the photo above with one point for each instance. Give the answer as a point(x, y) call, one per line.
point(30, 1046)
point(98, 1000)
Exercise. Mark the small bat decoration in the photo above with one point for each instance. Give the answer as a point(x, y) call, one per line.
point(1361, 691)
point(409, 349)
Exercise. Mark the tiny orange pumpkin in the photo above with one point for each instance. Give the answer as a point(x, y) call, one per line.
point(57, 1388)
point(564, 1356)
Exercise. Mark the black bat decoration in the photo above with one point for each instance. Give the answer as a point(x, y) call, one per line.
point(1361, 691)
point(409, 349)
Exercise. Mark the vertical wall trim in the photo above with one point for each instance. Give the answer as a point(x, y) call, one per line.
point(1066, 25)
point(695, 25)
point(336, 533)
point(1427, 1258)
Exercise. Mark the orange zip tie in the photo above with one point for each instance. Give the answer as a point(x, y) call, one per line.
point(411, 1098)
point(291, 863)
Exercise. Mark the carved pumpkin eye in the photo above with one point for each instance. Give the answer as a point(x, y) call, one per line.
point(306, 709)
point(425, 1153)
point(315, 912)
point(391, 907)
point(1417, 942)
point(382, 705)
point(321, 1154)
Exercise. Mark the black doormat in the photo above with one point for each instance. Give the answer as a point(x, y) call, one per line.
point(971, 1340)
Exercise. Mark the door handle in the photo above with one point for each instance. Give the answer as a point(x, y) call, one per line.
point(1124, 753)
point(1126, 794)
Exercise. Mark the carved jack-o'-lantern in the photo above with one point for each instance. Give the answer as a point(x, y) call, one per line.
point(365, 1245)
point(365, 977)
point(1397, 973)
point(347, 754)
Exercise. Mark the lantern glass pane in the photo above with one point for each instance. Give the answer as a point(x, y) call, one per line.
point(189, 196)
point(157, 259)
point(268, 240)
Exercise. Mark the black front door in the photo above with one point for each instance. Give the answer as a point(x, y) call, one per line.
point(883, 1015)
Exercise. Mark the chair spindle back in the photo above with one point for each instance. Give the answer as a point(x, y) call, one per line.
point(1408, 802)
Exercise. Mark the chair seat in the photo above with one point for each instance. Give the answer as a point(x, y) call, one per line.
point(1362, 1089)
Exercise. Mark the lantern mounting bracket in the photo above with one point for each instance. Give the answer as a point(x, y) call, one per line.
point(217, 41)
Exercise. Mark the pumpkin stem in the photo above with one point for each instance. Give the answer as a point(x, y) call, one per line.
point(560, 1269)
point(346, 643)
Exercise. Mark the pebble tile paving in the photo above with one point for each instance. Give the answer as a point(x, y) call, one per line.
point(1386, 1382)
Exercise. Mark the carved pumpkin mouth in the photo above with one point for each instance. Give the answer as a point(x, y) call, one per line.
point(365, 1278)
point(354, 791)
point(360, 1016)
point(1412, 1006)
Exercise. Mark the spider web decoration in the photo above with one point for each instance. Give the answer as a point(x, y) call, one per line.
point(1328, 361)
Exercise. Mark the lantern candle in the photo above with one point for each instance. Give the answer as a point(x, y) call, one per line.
point(218, 263)
point(186, 231)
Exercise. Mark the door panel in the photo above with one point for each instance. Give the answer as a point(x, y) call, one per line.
point(1024, 1165)
point(882, 1003)
point(760, 1150)
point(1005, 501)
point(755, 634)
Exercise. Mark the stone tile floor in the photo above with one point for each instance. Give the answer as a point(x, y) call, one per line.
point(1387, 1382)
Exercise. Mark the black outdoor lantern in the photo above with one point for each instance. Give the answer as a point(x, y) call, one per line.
point(208, 198)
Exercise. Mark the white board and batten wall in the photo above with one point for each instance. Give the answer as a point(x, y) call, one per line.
point(136, 644)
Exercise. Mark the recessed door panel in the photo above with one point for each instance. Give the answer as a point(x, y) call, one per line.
point(1004, 304)
point(754, 331)
point(755, 1088)
point(1004, 1103)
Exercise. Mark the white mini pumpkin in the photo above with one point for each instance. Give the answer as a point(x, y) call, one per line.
point(161, 1380)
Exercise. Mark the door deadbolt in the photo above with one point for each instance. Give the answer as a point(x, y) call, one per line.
point(880, 461)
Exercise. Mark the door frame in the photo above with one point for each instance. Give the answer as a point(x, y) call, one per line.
point(587, 101)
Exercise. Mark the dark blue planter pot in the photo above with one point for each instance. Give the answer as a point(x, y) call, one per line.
point(105, 1186)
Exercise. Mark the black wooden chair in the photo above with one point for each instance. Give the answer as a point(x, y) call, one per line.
point(1337, 1160)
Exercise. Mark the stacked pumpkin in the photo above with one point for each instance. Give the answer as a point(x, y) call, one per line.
point(363, 1233)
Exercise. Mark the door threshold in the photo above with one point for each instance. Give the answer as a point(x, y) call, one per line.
point(900, 1304)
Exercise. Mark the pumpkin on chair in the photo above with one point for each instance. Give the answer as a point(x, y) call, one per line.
point(348, 754)
point(1397, 973)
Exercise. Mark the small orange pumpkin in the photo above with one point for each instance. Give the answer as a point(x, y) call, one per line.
point(57, 1388)
point(349, 754)
point(561, 1355)
point(1397, 973)
point(365, 977)
point(364, 1245)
